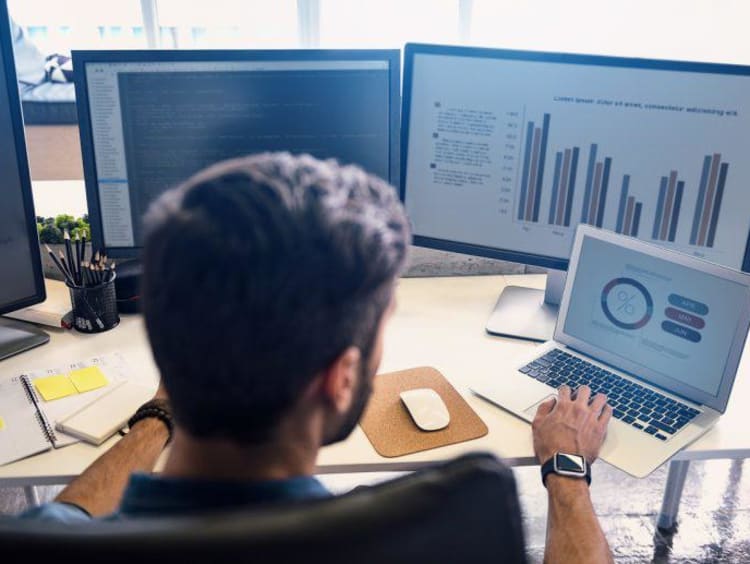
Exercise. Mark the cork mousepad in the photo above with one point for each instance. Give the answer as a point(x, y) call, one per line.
point(392, 431)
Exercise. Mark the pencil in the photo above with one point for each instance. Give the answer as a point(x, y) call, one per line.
point(92, 275)
point(69, 254)
point(93, 313)
point(66, 269)
point(78, 257)
point(57, 263)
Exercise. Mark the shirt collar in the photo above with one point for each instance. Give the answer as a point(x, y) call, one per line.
point(154, 496)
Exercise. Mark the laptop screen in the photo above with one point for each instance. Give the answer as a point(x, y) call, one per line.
point(672, 320)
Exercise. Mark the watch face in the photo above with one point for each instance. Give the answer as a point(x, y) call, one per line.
point(570, 463)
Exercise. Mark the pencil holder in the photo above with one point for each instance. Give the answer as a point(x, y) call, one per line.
point(95, 307)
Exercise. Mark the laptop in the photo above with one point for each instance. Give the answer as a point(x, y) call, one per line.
point(660, 332)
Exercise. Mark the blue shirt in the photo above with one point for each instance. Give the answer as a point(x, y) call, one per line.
point(156, 496)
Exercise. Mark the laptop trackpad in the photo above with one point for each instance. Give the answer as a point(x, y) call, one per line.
point(531, 411)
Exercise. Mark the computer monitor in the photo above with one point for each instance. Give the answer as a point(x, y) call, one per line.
point(150, 119)
point(505, 152)
point(21, 279)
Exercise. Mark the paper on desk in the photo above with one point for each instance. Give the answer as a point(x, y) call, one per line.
point(22, 434)
point(54, 387)
point(115, 370)
point(87, 379)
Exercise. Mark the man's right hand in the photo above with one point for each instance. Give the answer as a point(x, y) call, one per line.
point(571, 425)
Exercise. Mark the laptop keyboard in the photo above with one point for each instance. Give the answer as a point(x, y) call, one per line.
point(642, 408)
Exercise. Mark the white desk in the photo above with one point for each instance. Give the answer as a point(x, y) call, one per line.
point(438, 322)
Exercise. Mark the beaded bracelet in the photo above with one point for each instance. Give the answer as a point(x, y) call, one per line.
point(158, 409)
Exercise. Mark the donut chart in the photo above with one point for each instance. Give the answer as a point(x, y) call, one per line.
point(627, 303)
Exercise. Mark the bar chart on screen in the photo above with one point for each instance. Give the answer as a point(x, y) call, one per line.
point(530, 150)
point(557, 174)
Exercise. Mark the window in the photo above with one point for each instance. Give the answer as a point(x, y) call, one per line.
point(228, 24)
point(700, 30)
point(709, 30)
point(56, 27)
point(346, 24)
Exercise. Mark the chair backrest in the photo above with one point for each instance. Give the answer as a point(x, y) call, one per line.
point(466, 510)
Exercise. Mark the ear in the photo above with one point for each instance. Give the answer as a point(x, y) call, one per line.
point(339, 380)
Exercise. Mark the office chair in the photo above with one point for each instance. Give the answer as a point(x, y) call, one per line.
point(465, 510)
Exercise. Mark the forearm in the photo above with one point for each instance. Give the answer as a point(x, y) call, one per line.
point(100, 487)
point(573, 530)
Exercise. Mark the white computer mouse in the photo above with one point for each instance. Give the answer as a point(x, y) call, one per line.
point(426, 409)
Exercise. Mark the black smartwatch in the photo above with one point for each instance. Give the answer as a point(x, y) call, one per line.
point(565, 464)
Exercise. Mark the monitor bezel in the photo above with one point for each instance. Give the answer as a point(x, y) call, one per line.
point(83, 57)
point(19, 140)
point(546, 261)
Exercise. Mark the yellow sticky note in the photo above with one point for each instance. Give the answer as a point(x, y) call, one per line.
point(2, 423)
point(87, 379)
point(54, 387)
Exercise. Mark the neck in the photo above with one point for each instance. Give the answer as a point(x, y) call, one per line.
point(285, 456)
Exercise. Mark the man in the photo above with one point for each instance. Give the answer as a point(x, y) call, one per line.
point(268, 282)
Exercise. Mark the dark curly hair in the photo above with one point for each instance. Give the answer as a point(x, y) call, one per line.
point(258, 273)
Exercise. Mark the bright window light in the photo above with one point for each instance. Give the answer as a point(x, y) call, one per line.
point(56, 27)
point(387, 23)
point(698, 30)
point(236, 24)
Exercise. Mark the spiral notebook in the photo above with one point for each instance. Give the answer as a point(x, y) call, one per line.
point(25, 429)
point(27, 422)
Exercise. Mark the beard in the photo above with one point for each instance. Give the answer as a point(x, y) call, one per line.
point(362, 394)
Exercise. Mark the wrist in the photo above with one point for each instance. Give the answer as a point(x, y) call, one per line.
point(568, 465)
point(565, 491)
point(150, 427)
point(559, 484)
point(158, 412)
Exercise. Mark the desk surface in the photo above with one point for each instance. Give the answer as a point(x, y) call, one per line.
point(438, 322)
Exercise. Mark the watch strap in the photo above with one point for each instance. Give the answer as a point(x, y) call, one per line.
point(549, 468)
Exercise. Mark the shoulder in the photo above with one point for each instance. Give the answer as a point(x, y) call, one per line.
point(56, 512)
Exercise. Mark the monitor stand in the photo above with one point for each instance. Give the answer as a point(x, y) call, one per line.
point(527, 313)
point(16, 337)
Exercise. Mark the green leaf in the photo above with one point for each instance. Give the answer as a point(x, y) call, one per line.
point(50, 234)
